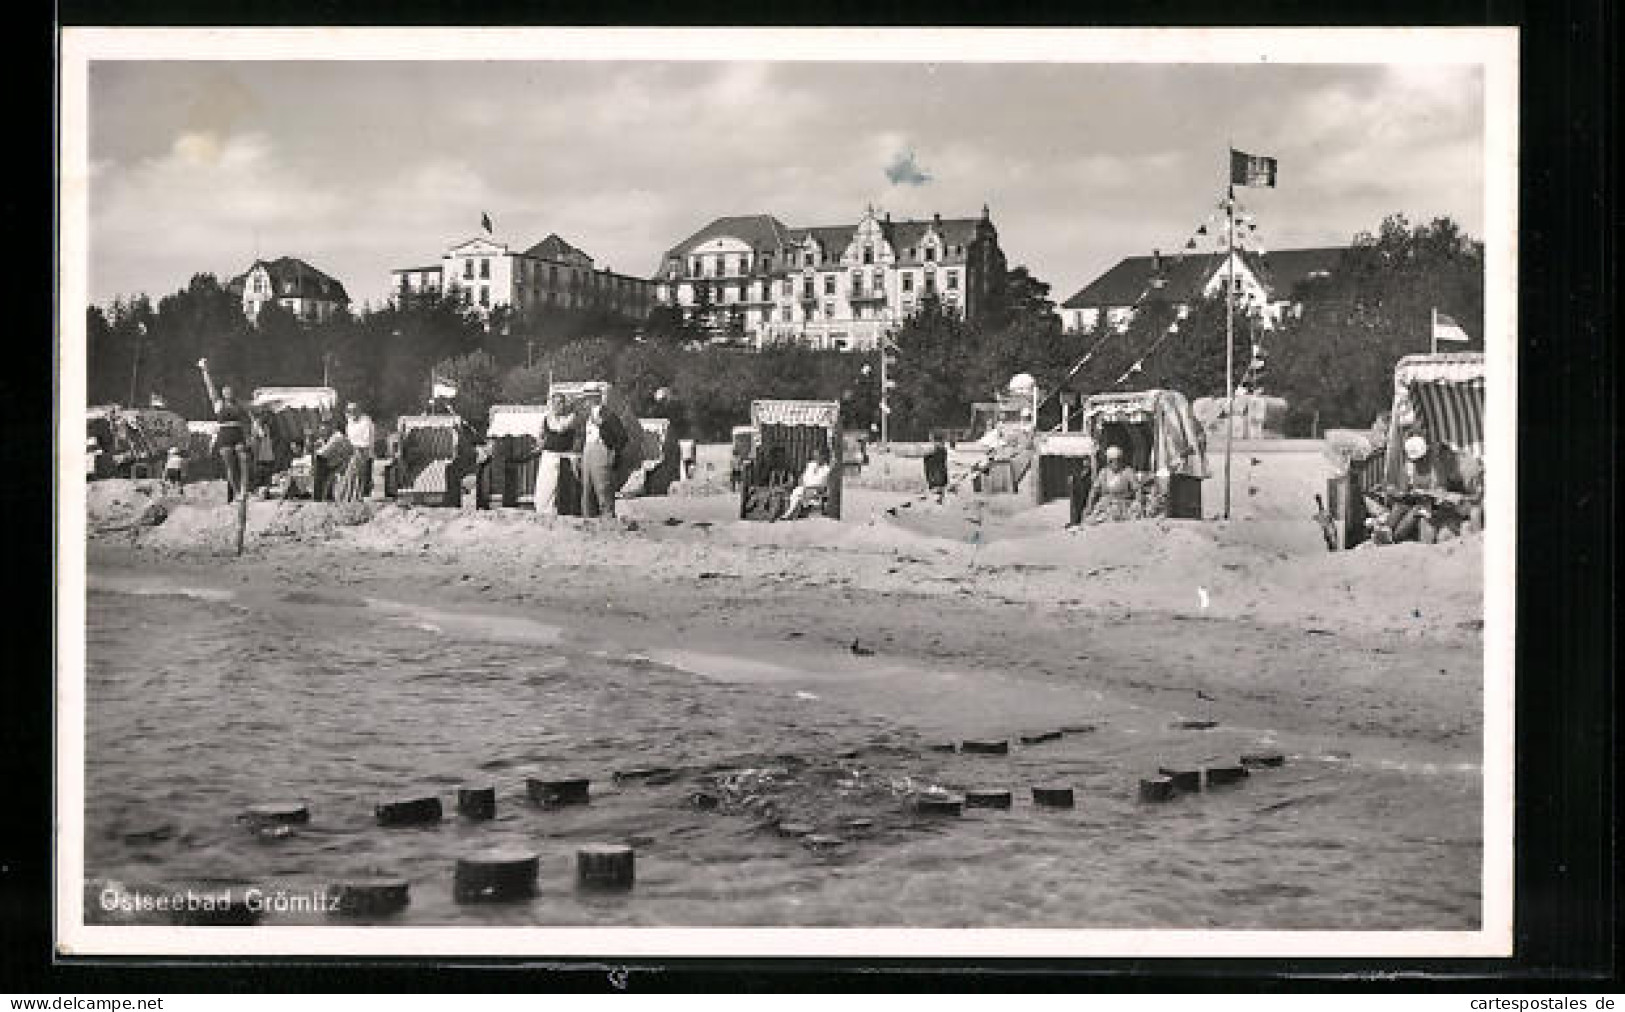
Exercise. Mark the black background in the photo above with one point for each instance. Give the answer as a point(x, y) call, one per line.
point(1568, 455)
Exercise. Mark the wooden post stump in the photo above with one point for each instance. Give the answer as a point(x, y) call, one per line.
point(1219, 776)
point(477, 802)
point(605, 866)
point(1053, 797)
point(371, 896)
point(1157, 789)
point(1184, 778)
point(1256, 759)
point(939, 804)
point(653, 774)
point(568, 791)
point(411, 812)
point(988, 799)
point(986, 747)
point(280, 813)
point(495, 875)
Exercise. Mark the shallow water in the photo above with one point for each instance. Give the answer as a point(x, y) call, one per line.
point(200, 704)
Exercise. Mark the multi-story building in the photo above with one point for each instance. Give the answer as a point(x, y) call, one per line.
point(755, 280)
point(551, 274)
point(1265, 283)
point(296, 286)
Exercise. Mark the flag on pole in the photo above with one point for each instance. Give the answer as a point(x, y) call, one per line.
point(1251, 170)
point(485, 220)
point(1447, 329)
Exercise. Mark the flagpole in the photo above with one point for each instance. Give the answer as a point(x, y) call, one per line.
point(1229, 338)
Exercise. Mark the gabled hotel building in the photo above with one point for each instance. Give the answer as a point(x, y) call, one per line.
point(752, 279)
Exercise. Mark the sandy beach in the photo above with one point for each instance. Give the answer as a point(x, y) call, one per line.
point(976, 617)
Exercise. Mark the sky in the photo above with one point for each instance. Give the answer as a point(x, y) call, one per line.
point(359, 167)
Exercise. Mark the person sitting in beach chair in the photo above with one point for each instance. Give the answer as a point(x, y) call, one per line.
point(1116, 492)
point(1433, 501)
point(814, 487)
point(770, 483)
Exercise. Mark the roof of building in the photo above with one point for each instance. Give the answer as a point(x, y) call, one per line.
point(555, 248)
point(1185, 275)
point(432, 267)
point(758, 231)
point(307, 281)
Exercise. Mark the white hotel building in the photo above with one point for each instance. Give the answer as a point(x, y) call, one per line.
point(552, 274)
point(754, 280)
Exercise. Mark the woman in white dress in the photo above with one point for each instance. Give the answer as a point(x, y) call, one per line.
point(558, 439)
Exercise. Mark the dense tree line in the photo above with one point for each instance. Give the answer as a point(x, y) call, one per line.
point(1332, 362)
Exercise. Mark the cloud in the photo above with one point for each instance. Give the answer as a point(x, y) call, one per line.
point(905, 171)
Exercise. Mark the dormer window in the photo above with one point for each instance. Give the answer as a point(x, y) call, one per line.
point(868, 254)
point(930, 254)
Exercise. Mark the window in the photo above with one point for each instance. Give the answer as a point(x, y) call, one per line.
point(868, 254)
point(879, 281)
point(485, 296)
point(930, 284)
point(693, 266)
point(767, 263)
point(468, 269)
point(930, 254)
point(784, 313)
point(953, 281)
point(913, 252)
point(829, 310)
point(857, 284)
point(908, 282)
point(485, 268)
point(789, 288)
point(807, 289)
point(829, 284)
point(553, 275)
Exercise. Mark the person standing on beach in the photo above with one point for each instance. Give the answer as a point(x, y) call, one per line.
point(332, 462)
point(936, 468)
point(362, 435)
point(1079, 484)
point(606, 438)
point(264, 449)
point(558, 439)
point(231, 434)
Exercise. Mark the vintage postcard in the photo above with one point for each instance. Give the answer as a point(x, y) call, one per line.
point(664, 492)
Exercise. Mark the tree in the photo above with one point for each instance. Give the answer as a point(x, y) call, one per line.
point(1336, 359)
point(478, 380)
point(936, 349)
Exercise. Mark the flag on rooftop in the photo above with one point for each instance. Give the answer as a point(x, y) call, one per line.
point(1447, 329)
point(1251, 170)
point(485, 221)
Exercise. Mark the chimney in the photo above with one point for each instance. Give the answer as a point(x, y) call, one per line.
point(936, 219)
point(1156, 260)
point(888, 217)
